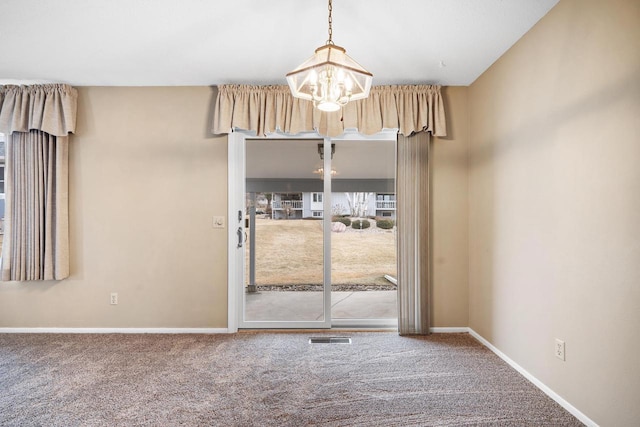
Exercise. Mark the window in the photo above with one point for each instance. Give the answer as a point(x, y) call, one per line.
point(386, 197)
point(317, 197)
point(316, 214)
point(386, 213)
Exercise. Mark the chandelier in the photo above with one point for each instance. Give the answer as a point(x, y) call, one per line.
point(320, 171)
point(330, 78)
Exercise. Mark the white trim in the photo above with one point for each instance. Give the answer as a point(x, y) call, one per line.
point(449, 330)
point(326, 232)
point(552, 394)
point(236, 190)
point(348, 135)
point(283, 324)
point(114, 331)
point(354, 135)
point(391, 324)
point(235, 195)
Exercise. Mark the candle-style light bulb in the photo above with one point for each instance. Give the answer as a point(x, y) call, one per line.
point(348, 84)
point(313, 77)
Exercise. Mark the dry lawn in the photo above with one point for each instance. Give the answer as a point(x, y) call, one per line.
point(290, 252)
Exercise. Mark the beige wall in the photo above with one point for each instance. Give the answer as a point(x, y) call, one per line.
point(146, 179)
point(555, 205)
point(449, 200)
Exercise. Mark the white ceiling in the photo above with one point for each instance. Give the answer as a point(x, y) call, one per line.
point(209, 42)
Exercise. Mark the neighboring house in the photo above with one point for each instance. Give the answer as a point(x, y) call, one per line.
point(310, 205)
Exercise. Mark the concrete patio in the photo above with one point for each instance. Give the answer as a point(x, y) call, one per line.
point(307, 306)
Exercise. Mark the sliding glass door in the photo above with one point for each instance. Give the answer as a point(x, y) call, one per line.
point(285, 282)
point(314, 232)
point(363, 252)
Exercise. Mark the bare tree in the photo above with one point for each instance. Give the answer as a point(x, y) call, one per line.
point(358, 203)
point(337, 209)
point(269, 197)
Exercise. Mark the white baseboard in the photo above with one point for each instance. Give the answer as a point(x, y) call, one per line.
point(114, 331)
point(449, 330)
point(552, 394)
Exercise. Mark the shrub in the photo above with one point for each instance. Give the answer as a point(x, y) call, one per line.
point(385, 224)
point(345, 221)
point(359, 224)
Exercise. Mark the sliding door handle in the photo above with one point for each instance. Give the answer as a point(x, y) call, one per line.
point(240, 235)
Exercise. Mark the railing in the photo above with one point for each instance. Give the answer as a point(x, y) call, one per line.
point(385, 204)
point(282, 204)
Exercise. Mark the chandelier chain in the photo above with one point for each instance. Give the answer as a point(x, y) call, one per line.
point(330, 41)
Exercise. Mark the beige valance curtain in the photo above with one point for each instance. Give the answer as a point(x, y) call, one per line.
point(50, 108)
point(265, 109)
point(36, 121)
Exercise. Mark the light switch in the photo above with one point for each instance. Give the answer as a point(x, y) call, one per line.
point(218, 222)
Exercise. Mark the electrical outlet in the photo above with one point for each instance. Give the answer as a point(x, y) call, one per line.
point(114, 298)
point(560, 349)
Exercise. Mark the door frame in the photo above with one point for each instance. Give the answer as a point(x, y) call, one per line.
point(236, 175)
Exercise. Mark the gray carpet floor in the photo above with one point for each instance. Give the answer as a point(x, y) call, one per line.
point(264, 379)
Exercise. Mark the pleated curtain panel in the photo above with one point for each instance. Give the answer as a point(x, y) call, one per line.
point(417, 111)
point(412, 219)
point(36, 121)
